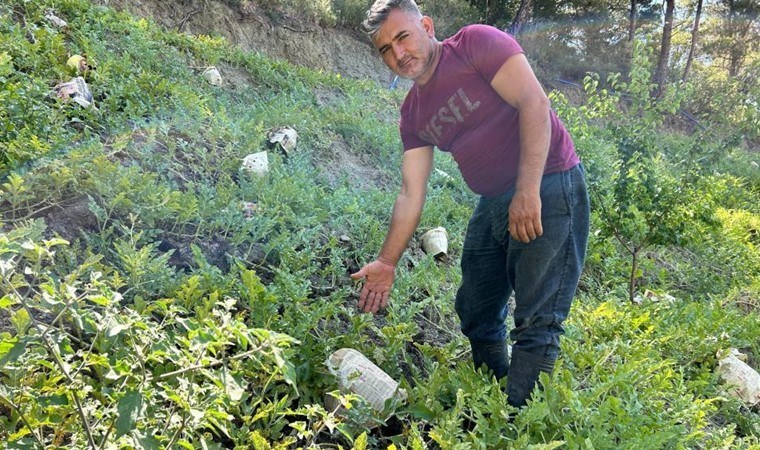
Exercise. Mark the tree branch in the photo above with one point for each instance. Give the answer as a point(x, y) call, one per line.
point(166, 375)
point(61, 367)
point(23, 419)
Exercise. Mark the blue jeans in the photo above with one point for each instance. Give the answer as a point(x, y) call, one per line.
point(543, 274)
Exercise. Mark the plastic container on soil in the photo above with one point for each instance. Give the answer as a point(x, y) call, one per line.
point(358, 375)
point(77, 64)
point(55, 20)
point(256, 163)
point(212, 75)
point(76, 90)
point(743, 381)
point(436, 242)
point(287, 138)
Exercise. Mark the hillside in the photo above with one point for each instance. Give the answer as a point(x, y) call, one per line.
point(287, 38)
point(154, 293)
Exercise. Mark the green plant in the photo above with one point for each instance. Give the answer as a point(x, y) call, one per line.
point(350, 13)
point(112, 375)
point(637, 189)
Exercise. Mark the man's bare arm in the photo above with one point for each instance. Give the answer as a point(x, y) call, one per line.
point(407, 210)
point(518, 86)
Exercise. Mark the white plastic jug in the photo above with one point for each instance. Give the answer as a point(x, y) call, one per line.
point(358, 375)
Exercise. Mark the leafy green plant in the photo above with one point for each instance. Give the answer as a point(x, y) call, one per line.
point(113, 375)
point(450, 15)
point(641, 193)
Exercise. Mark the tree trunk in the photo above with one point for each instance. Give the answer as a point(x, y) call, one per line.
point(740, 27)
point(634, 269)
point(521, 18)
point(734, 52)
point(667, 31)
point(694, 39)
point(632, 21)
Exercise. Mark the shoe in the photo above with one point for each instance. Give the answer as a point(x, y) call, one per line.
point(523, 376)
point(493, 355)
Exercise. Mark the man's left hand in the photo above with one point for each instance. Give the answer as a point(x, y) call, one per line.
point(525, 217)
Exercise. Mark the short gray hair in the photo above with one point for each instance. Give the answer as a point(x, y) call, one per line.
point(379, 11)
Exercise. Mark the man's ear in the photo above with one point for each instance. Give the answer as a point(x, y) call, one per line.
point(427, 24)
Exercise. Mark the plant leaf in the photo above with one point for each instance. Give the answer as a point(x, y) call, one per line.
point(11, 350)
point(361, 442)
point(259, 442)
point(146, 442)
point(116, 329)
point(420, 411)
point(129, 407)
point(7, 301)
point(21, 320)
point(232, 385)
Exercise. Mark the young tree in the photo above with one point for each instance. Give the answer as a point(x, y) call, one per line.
point(521, 18)
point(632, 20)
point(667, 31)
point(641, 194)
point(694, 39)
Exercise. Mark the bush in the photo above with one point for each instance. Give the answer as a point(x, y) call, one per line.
point(318, 12)
point(351, 13)
point(449, 15)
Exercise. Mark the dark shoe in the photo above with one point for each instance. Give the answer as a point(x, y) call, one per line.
point(493, 355)
point(523, 376)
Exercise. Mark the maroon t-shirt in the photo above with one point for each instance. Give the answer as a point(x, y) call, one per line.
point(459, 112)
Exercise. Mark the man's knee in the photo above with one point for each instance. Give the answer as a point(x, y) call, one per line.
point(539, 337)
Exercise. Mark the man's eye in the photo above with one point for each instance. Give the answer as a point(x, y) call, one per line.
point(402, 37)
point(384, 50)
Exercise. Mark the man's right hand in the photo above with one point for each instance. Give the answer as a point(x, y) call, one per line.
point(378, 281)
point(415, 171)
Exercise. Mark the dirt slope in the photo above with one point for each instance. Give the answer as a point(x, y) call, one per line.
point(346, 53)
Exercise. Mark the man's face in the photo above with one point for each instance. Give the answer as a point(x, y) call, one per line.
point(405, 42)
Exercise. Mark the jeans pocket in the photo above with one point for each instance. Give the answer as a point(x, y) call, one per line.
point(478, 235)
point(556, 193)
point(500, 217)
point(556, 200)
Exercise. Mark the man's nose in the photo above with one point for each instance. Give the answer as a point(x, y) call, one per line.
point(398, 51)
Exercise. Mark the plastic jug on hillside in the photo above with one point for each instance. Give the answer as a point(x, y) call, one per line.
point(435, 242)
point(256, 163)
point(358, 375)
point(741, 379)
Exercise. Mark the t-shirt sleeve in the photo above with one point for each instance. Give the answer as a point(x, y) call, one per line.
point(409, 139)
point(488, 48)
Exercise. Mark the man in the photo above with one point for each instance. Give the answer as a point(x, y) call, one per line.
point(475, 95)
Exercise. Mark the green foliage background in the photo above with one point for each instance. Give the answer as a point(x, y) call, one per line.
point(153, 295)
